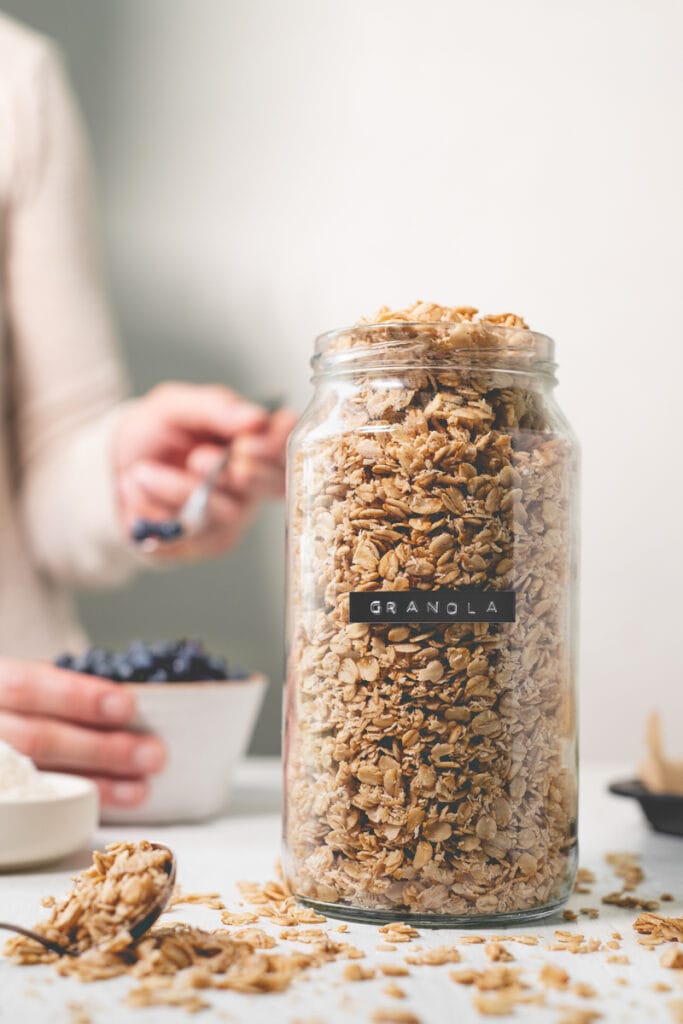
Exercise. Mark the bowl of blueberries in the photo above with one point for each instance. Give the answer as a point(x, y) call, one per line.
point(203, 711)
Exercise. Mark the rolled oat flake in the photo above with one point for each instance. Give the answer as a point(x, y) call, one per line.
point(430, 724)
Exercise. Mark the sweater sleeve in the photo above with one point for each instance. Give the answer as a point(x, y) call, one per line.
point(66, 379)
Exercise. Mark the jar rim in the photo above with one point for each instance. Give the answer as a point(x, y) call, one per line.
point(483, 343)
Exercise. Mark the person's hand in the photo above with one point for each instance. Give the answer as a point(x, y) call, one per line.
point(65, 721)
point(167, 441)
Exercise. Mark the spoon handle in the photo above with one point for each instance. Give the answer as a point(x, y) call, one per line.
point(53, 946)
point(193, 512)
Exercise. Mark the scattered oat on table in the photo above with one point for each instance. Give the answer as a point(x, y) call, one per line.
point(574, 942)
point(553, 976)
point(672, 957)
point(206, 899)
point(435, 956)
point(399, 931)
point(394, 1015)
point(78, 1013)
point(496, 951)
point(393, 970)
point(354, 972)
point(627, 867)
point(574, 1015)
point(656, 929)
point(394, 990)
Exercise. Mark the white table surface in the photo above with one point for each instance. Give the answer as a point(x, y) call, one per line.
point(244, 845)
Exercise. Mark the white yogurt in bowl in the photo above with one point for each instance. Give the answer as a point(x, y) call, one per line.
point(43, 815)
point(19, 777)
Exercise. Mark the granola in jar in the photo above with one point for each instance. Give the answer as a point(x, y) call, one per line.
point(430, 733)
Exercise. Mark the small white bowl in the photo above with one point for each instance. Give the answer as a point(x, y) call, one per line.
point(44, 829)
point(205, 727)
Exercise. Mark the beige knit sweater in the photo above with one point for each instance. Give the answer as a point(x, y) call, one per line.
point(60, 378)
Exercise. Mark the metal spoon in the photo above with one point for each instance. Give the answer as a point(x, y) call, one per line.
point(191, 517)
point(138, 928)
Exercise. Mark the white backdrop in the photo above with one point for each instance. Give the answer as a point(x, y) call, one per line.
point(269, 170)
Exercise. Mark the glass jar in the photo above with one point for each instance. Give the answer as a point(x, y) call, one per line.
point(430, 721)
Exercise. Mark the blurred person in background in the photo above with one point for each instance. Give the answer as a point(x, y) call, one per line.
point(78, 463)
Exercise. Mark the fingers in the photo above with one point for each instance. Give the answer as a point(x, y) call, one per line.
point(36, 688)
point(269, 443)
point(36, 699)
point(256, 464)
point(244, 476)
point(212, 410)
point(64, 746)
point(157, 491)
point(168, 488)
point(256, 480)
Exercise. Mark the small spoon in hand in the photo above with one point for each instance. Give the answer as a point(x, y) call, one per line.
point(190, 519)
point(138, 927)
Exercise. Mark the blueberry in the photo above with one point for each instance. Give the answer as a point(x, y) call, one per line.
point(166, 661)
point(120, 668)
point(94, 658)
point(142, 663)
point(169, 529)
point(217, 667)
point(162, 650)
point(182, 667)
point(81, 663)
point(164, 529)
point(140, 530)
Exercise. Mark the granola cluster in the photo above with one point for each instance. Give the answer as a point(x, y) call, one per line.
point(118, 889)
point(430, 768)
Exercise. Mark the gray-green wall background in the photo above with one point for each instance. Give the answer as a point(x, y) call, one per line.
point(268, 170)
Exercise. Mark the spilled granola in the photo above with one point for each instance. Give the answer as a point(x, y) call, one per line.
point(121, 885)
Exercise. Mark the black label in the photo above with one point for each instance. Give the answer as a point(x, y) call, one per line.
point(467, 605)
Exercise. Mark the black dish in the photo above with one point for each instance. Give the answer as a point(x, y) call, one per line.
point(664, 811)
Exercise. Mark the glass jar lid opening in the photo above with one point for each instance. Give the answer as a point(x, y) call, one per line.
point(420, 344)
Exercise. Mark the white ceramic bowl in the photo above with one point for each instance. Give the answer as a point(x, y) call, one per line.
point(205, 727)
point(44, 829)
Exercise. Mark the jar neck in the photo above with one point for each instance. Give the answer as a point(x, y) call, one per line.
point(396, 349)
point(450, 376)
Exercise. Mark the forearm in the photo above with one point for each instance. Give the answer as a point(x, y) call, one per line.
point(66, 376)
point(69, 508)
